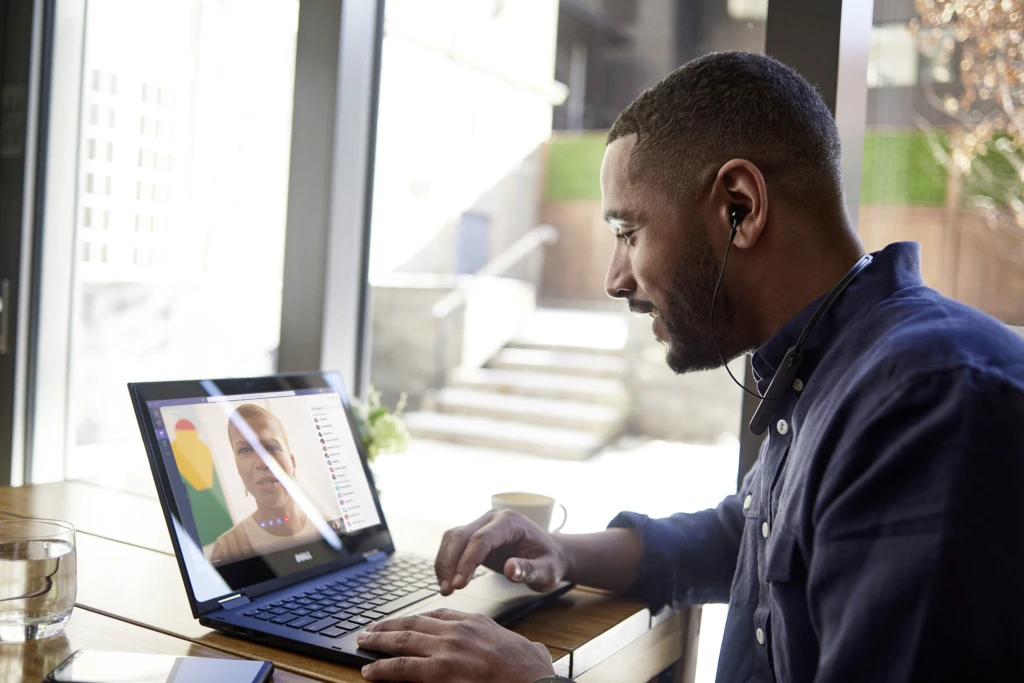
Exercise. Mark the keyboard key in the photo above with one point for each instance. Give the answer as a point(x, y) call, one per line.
point(304, 602)
point(283, 619)
point(331, 610)
point(362, 621)
point(333, 632)
point(288, 605)
point(278, 611)
point(373, 615)
point(319, 614)
point(300, 622)
point(395, 605)
point(317, 626)
point(263, 616)
point(301, 612)
point(250, 613)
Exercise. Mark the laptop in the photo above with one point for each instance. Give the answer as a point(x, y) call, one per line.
point(275, 520)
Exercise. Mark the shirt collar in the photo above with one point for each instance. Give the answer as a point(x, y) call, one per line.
point(896, 267)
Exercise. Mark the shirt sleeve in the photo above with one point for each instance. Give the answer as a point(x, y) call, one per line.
point(688, 557)
point(918, 528)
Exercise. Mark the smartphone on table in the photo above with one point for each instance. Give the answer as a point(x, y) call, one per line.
point(94, 666)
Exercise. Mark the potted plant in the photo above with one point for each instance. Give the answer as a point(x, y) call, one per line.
point(381, 430)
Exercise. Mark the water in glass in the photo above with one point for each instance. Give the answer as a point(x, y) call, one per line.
point(37, 578)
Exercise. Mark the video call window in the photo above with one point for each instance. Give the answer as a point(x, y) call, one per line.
point(258, 471)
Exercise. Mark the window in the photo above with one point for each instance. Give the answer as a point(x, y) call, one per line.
point(943, 155)
point(477, 317)
point(185, 278)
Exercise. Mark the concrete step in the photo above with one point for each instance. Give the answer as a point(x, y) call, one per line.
point(543, 385)
point(581, 364)
point(595, 417)
point(574, 330)
point(526, 343)
point(486, 432)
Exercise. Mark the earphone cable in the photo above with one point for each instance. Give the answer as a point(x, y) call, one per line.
point(714, 339)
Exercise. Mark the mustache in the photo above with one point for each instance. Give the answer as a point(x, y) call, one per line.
point(641, 307)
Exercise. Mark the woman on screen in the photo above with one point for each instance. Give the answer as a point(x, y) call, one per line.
point(278, 522)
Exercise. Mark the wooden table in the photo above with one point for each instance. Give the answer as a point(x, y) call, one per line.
point(131, 598)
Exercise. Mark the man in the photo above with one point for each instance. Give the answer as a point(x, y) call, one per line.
point(879, 536)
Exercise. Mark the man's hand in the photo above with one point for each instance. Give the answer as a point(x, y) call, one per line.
point(506, 542)
point(445, 646)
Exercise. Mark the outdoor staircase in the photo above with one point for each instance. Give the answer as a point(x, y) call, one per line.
point(556, 391)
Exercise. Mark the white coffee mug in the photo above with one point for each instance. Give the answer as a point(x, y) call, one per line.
point(533, 506)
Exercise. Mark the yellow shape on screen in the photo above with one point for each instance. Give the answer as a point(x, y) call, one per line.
point(193, 457)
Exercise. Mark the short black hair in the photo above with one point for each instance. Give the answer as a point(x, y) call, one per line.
point(730, 105)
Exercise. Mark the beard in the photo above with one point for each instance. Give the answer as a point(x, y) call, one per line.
point(687, 315)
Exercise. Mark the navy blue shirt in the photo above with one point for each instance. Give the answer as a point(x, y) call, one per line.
point(879, 537)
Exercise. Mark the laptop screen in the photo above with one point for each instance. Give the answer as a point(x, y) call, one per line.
point(264, 484)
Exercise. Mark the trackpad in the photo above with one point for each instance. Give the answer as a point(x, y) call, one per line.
point(492, 595)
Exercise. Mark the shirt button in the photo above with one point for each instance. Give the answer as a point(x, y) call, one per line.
point(760, 636)
point(782, 427)
point(765, 530)
point(747, 501)
point(798, 385)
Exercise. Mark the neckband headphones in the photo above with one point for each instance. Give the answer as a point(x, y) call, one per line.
point(790, 364)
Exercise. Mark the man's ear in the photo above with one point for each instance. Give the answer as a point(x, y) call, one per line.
point(740, 187)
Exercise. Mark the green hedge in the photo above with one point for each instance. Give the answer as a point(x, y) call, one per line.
point(899, 168)
point(574, 167)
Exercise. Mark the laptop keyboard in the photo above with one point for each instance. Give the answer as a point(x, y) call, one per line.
point(340, 607)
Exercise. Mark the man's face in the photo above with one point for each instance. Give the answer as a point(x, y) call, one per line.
point(257, 477)
point(663, 263)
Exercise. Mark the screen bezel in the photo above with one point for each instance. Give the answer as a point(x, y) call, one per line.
point(254, 576)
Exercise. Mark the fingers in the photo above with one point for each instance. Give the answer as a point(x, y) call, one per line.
point(448, 615)
point(540, 575)
point(498, 532)
point(421, 623)
point(412, 669)
point(452, 546)
point(408, 643)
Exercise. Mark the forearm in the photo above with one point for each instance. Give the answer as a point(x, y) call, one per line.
point(609, 559)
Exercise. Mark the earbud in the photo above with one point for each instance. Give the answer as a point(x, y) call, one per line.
point(736, 215)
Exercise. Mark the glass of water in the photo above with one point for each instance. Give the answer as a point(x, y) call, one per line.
point(37, 578)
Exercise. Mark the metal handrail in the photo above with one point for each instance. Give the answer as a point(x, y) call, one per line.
point(541, 235)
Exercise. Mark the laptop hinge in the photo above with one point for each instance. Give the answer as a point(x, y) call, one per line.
point(233, 601)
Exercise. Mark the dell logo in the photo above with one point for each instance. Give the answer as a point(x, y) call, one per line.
point(303, 557)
